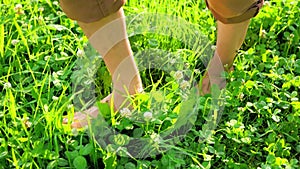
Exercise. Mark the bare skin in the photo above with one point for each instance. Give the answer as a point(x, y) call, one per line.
point(108, 36)
point(119, 60)
point(229, 40)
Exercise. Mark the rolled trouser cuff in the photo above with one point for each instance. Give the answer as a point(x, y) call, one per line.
point(234, 11)
point(88, 11)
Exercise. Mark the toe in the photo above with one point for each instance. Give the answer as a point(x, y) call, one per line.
point(77, 124)
point(106, 99)
point(65, 120)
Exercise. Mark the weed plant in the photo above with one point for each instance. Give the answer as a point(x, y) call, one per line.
point(39, 53)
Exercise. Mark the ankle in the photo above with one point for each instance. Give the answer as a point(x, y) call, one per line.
point(131, 87)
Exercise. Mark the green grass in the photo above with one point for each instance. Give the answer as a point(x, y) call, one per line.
point(259, 127)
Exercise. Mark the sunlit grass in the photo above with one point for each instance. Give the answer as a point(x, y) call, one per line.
point(39, 54)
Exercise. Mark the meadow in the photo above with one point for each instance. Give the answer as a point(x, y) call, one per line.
point(41, 58)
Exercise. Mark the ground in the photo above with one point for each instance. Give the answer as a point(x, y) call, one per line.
point(40, 50)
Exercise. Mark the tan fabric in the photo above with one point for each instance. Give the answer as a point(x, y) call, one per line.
point(90, 10)
point(226, 11)
point(234, 11)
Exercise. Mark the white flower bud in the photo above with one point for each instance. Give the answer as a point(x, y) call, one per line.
point(172, 61)
point(197, 71)
point(55, 3)
point(47, 57)
point(15, 42)
point(74, 132)
point(80, 53)
point(148, 115)
point(55, 98)
point(46, 108)
point(18, 7)
point(155, 137)
point(178, 75)
point(41, 9)
point(125, 112)
point(56, 82)
point(184, 85)
point(7, 85)
point(70, 106)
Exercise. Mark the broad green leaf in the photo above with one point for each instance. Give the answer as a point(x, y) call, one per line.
point(72, 154)
point(104, 109)
point(62, 162)
point(52, 165)
point(129, 165)
point(271, 159)
point(121, 139)
point(138, 132)
point(87, 149)
point(110, 161)
point(250, 84)
point(80, 162)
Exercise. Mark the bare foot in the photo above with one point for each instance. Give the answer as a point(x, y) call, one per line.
point(207, 81)
point(81, 119)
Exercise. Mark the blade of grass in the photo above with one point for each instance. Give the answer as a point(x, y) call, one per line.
point(24, 40)
point(2, 40)
point(15, 161)
point(12, 106)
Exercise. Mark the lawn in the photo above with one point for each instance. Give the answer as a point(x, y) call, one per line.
point(48, 70)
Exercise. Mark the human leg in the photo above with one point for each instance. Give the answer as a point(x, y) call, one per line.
point(232, 25)
point(107, 34)
point(108, 37)
point(229, 39)
point(118, 59)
